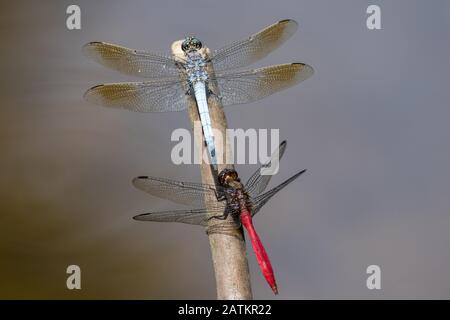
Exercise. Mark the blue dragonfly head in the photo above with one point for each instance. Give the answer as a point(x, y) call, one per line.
point(191, 44)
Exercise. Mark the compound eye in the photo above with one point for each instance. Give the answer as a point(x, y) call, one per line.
point(184, 46)
point(197, 44)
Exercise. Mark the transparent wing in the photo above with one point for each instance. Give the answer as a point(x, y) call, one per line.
point(248, 86)
point(202, 217)
point(188, 193)
point(129, 61)
point(196, 217)
point(261, 200)
point(258, 182)
point(150, 96)
point(254, 48)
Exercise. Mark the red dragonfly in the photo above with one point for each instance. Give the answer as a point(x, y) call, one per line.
point(233, 199)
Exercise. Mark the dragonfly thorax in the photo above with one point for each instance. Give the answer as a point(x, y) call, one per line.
point(195, 68)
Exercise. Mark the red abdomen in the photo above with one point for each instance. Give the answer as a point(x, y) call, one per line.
point(260, 252)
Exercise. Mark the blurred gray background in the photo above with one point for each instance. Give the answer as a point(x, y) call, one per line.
point(371, 126)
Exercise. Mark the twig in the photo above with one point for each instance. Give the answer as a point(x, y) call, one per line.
point(228, 251)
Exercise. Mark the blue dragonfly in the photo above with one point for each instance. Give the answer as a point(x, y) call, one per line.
point(171, 78)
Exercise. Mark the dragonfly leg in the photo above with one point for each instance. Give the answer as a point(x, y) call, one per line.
point(220, 217)
point(232, 208)
point(219, 196)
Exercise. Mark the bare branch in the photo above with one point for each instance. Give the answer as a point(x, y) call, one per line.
point(228, 251)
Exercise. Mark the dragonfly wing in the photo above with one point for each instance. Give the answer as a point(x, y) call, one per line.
point(254, 48)
point(261, 200)
point(202, 217)
point(196, 217)
point(129, 61)
point(258, 182)
point(150, 96)
point(188, 193)
point(247, 86)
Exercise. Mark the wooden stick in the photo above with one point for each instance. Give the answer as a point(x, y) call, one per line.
point(228, 251)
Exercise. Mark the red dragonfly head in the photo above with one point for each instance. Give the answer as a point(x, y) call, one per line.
point(229, 178)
